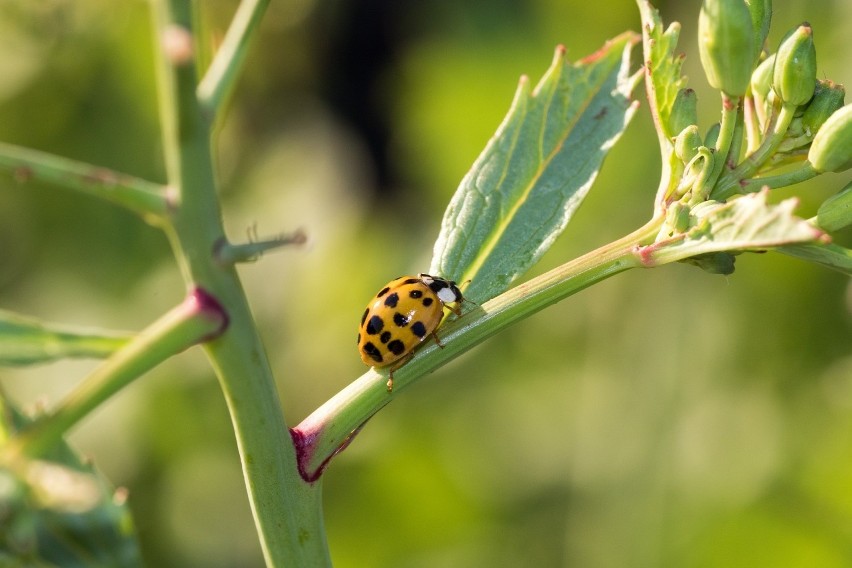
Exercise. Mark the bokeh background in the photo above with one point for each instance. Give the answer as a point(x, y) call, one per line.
point(663, 418)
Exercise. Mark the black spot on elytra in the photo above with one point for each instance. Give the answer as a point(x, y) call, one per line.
point(411, 281)
point(415, 294)
point(375, 325)
point(382, 292)
point(400, 320)
point(427, 302)
point(364, 317)
point(373, 352)
point(392, 300)
point(396, 347)
point(385, 336)
point(419, 329)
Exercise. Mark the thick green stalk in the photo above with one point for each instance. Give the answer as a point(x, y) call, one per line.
point(287, 510)
point(329, 429)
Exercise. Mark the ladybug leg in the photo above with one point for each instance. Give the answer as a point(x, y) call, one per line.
point(437, 340)
point(396, 367)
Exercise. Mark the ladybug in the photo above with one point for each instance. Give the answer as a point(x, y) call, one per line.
point(401, 316)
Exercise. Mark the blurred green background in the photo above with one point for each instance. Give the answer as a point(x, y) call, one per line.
point(663, 418)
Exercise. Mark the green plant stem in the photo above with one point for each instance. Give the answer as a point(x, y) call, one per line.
point(220, 78)
point(287, 510)
point(145, 198)
point(187, 324)
point(728, 126)
point(230, 253)
point(800, 174)
point(327, 430)
point(729, 183)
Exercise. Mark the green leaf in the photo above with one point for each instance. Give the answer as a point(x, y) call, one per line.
point(829, 255)
point(59, 510)
point(534, 173)
point(25, 340)
point(746, 223)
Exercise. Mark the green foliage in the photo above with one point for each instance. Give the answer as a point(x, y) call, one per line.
point(59, 510)
point(534, 173)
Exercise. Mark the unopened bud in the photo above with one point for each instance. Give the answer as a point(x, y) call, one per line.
point(761, 16)
point(687, 143)
point(794, 75)
point(831, 150)
point(836, 211)
point(761, 79)
point(828, 97)
point(726, 44)
point(684, 110)
point(712, 135)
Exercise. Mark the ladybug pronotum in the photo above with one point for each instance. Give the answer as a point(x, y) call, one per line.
point(401, 316)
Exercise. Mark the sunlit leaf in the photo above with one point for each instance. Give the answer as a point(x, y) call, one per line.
point(25, 340)
point(534, 173)
point(746, 223)
point(60, 511)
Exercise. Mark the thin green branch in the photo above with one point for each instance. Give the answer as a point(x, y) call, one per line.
point(220, 78)
point(325, 432)
point(194, 320)
point(230, 253)
point(147, 199)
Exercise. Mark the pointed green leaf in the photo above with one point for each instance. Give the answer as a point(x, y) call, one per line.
point(746, 223)
point(25, 340)
point(533, 174)
point(59, 510)
point(827, 254)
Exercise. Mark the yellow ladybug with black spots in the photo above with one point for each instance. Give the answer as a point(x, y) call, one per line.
point(401, 316)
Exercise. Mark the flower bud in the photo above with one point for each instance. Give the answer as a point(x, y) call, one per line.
point(714, 262)
point(684, 110)
point(687, 143)
point(831, 150)
point(836, 211)
point(712, 135)
point(794, 75)
point(761, 16)
point(828, 97)
point(726, 44)
point(761, 79)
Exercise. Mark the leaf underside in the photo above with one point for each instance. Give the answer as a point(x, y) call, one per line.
point(747, 223)
point(535, 171)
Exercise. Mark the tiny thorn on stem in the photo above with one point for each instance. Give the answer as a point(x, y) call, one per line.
point(227, 253)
